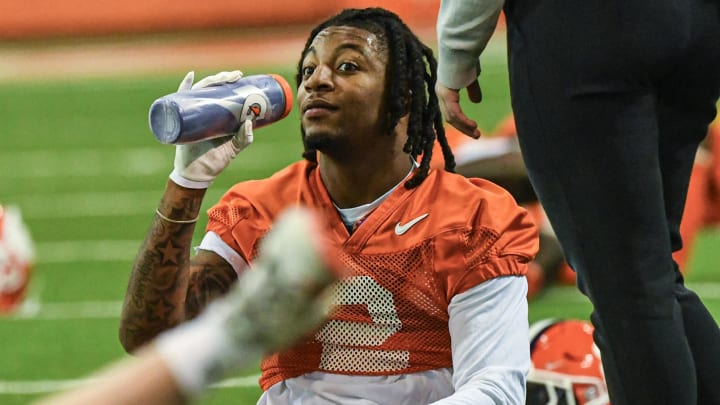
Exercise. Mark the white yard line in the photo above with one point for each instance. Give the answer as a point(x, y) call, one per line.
point(36, 310)
point(84, 162)
point(103, 162)
point(47, 386)
point(87, 251)
point(39, 386)
point(87, 204)
point(706, 290)
point(33, 309)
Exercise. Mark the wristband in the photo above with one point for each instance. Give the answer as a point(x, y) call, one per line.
point(182, 181)
point(175, 221)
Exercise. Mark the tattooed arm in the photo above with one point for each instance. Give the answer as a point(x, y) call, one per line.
point(166, 287)
point(163, 277)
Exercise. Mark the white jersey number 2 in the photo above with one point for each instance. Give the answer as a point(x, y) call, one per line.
point(339, 337)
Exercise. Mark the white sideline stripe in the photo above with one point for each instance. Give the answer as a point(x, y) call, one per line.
point(36, 310)
point(239, 382)
point(39, 386)
point(90, 204)
point(48, 386)
point(125, 162)
point(93, 204)
point(93, 251)
point(85, 162)
point(705, 290)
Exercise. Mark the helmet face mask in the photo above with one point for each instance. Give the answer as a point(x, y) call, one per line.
point(566, 365)
point(550, 388)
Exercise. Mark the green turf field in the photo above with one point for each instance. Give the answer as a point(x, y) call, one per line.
point(79, 160)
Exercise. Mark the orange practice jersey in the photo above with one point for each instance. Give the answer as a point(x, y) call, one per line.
point(404, 264)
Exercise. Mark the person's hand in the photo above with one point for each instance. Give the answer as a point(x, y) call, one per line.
point(284, 296)
point(449, 100)
point(197, 164)
point(287, 291)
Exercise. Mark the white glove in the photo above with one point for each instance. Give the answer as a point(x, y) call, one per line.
point(280, 295)
point(285, 294)
point(197, 164)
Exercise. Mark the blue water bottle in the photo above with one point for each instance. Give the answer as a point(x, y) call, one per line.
point(215, 111)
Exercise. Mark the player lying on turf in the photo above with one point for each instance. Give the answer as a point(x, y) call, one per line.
point(496, 157)
point(434, 306)
point(281, 299)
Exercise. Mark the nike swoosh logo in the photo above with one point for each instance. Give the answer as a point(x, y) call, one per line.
point(402, 228)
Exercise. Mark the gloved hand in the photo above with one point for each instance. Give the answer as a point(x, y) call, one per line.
point(288, 289)
point(197, 164)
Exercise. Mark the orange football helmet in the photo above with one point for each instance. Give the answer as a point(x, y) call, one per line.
point(566, 367)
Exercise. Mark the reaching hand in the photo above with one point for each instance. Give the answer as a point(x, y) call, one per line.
point(285, 294)
point(449, 100)
point(287, 291)
point(197, 164)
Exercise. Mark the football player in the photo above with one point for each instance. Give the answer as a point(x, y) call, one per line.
point(434, 307)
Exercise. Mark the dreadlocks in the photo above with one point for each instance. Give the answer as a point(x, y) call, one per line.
point(408, 75)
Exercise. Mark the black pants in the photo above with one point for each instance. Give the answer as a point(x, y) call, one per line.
point(611, 99)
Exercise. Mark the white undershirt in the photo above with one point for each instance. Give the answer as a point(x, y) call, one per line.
point(351, 215)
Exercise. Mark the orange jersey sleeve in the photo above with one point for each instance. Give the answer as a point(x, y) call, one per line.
point(246, 211)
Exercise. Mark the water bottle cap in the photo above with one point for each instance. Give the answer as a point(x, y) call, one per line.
point(287, 93)
point(165, 120)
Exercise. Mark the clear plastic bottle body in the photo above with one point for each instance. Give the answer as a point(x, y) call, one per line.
point(217, 111)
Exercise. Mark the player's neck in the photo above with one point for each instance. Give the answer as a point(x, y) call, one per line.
point(352, 185)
